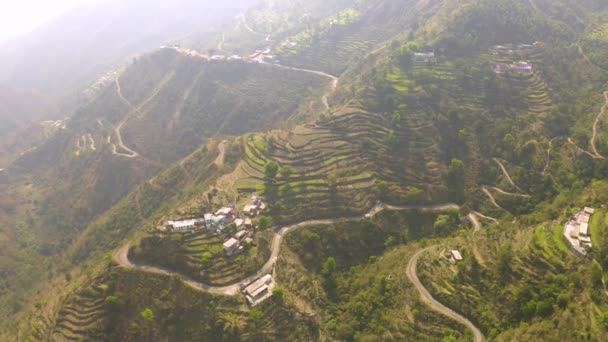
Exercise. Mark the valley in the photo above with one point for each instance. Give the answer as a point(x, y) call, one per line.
point(372, 170)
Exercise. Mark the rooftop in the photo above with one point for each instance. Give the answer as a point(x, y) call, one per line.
point(456, 254)
point(259, 283)
point(184, 223)
point(232, 242)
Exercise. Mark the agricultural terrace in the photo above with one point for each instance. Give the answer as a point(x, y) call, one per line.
point(200, 255)
point(342, 165)
point(338, 40)
point(521, 275)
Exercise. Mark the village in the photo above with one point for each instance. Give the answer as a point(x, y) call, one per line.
point(237, 228)
point(513, 50)
point(577, 231)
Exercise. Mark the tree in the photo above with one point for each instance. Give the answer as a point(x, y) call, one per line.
point(279, 294)
point(328, 270)
point(255, 317)
point(445, 223)
point(147, 314)
point(205, 259)
point(113, 303)
point(329, 266)
point(456, 179)
point(286, 171)
point(265, 222)
point(231, 323)
point(270, 171)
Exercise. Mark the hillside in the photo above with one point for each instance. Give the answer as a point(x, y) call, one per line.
point(124, 137)
point(373, 163)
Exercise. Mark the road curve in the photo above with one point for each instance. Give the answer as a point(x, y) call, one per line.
point(130, 153)
point(506, 173)
point(122, 255)
point(432, 302)
point(219, 161)
point(595, 123)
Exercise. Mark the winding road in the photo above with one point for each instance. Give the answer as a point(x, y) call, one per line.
point(492, 199)
point(595, 124)
point(130, 153)
point(548, 163)
point(432, 302)
point(219, 161)
point(506, 173)
point(122, 258)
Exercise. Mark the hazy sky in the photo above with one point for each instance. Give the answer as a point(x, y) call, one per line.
point(21, 16)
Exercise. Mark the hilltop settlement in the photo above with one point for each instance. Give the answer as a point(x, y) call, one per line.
point(237, 229)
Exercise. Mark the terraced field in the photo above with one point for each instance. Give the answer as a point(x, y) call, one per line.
point(183, 252)
point(338, 162)
point(538, 257)
point(338, 42)
point(82, 317)
point(593, 45)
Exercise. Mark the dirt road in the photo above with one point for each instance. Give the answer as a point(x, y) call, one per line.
point(595, 124)
point(122, 258)
point(505, 172)
point(432, 302)
point(130, 153)
point(219, 161)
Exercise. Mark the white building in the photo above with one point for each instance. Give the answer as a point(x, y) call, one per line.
point(250, 210)
point(240, 235)
point(455, 256)
point(577, 230)
point(231, 246)
point(185, 225)
point(259, 290)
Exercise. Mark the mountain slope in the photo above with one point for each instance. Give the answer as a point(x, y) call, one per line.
point(508, 147)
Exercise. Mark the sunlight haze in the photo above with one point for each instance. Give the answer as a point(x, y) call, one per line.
point(19, 17)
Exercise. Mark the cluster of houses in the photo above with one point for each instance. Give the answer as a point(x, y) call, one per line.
point(517, 68)
point(577, 230)
point(221, 219)
point(259, 290)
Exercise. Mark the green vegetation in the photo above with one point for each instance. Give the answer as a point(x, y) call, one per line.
point(200, 255)
point(516, 147)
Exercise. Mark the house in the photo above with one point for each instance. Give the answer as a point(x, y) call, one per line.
point(259, 290)
point(522, 67)
point(186, 225)
point(583, 230)
point(239, 223)
point(231, 246)
point(214, 222)
point(501, 68)
point(256, 200)
point(225, 211)
point(577, 230)
point(248, 223)
point(424, 58)
point(241, 235)
point(589, 211)
point(583, 218)
point(519, 68)
point(455, 256)
point(585, 241)
point(572, 231)
point(250, 210)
